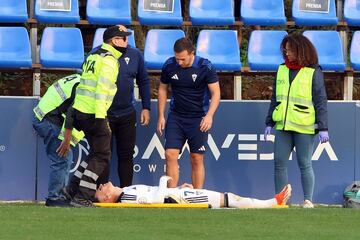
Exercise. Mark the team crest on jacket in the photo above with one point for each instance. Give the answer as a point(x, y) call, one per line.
point(127, 59)
point(194, 76)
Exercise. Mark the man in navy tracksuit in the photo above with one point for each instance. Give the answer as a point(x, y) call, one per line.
point(122, 114)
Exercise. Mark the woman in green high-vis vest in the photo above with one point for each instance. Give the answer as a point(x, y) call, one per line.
point(297, 112)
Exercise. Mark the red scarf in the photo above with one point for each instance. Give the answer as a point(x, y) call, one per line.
point(292, 65)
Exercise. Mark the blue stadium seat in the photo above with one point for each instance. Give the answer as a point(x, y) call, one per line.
point(13, 11)
point(215, 12)
point(329, 48)
point(61, 47)
point(159, 46)
point(108, 12)
point(58, 16)
point(264, 12)
point(302, 18)
point(221, 48)
point(264, 50)
point(160, 18)
point(98, 37)
point(15, 49)
point(352, 12)
point(355, 51)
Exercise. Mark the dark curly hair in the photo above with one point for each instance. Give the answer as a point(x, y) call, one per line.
point(303, 50)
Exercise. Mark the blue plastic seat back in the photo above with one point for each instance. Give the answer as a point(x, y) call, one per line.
point(352, 12)
point(13, 11)
point(98, 37)
point(159, 46)
point(108, 12)
point(215, 12)
point(355, 51)
point(329, 48)
point(221, 48)
point(15, 51)
point(58, 16)
point(264, 52)
point(160, 18)
point(303, 18)
point(61, 47)
point(264, 12)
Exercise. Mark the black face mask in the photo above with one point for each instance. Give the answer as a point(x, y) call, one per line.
point(121, 49)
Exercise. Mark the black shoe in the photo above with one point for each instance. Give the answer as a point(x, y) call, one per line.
point(57, 203)
point(78, 202)
point(66, 193)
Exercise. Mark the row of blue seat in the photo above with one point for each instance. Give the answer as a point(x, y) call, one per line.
point(63, 48)
point(202, 12)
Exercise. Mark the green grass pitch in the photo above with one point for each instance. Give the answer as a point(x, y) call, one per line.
point(34, 221)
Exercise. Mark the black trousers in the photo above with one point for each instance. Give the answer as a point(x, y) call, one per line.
point(98, 134)
point(124, 131)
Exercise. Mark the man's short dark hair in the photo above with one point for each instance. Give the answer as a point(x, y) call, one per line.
point(183, 44)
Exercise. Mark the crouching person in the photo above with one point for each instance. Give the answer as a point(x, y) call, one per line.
point(48, 119)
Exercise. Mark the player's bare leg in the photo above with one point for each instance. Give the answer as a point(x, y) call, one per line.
point(172, 166)
point(198, 170)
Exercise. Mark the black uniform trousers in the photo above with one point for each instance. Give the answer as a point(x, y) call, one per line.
point(124, 131)
point(98, 134)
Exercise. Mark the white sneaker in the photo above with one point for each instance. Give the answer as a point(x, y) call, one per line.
point(308, 204)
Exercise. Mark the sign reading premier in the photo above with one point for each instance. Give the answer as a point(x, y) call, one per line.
point(320, 6)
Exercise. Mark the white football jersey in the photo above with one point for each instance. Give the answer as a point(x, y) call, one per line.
point(157, 194)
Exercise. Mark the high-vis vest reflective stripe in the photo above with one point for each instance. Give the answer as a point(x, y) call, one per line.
point(294, 109)
point(97, 86)
point(55, 95)
point(76, 135)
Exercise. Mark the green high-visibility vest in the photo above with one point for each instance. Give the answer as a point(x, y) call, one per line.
point(76, 135)
point(97, 86)
point(294, 109)
point(55, 95)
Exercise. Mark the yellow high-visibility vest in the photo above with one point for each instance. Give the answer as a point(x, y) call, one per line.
point(55, 95)
point(97, 86)
point(294, 109)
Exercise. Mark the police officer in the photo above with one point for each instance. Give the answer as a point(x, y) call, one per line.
point(93, 98)
point(47, 121)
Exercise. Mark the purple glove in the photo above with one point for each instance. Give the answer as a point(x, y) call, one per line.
point(267, 132)
point(323, 136)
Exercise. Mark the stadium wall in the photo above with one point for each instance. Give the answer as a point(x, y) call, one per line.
point(237, 160)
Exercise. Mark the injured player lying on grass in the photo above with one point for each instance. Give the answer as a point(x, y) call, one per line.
point(185, 194)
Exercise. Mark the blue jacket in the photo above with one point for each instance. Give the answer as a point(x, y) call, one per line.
point(318, 95)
